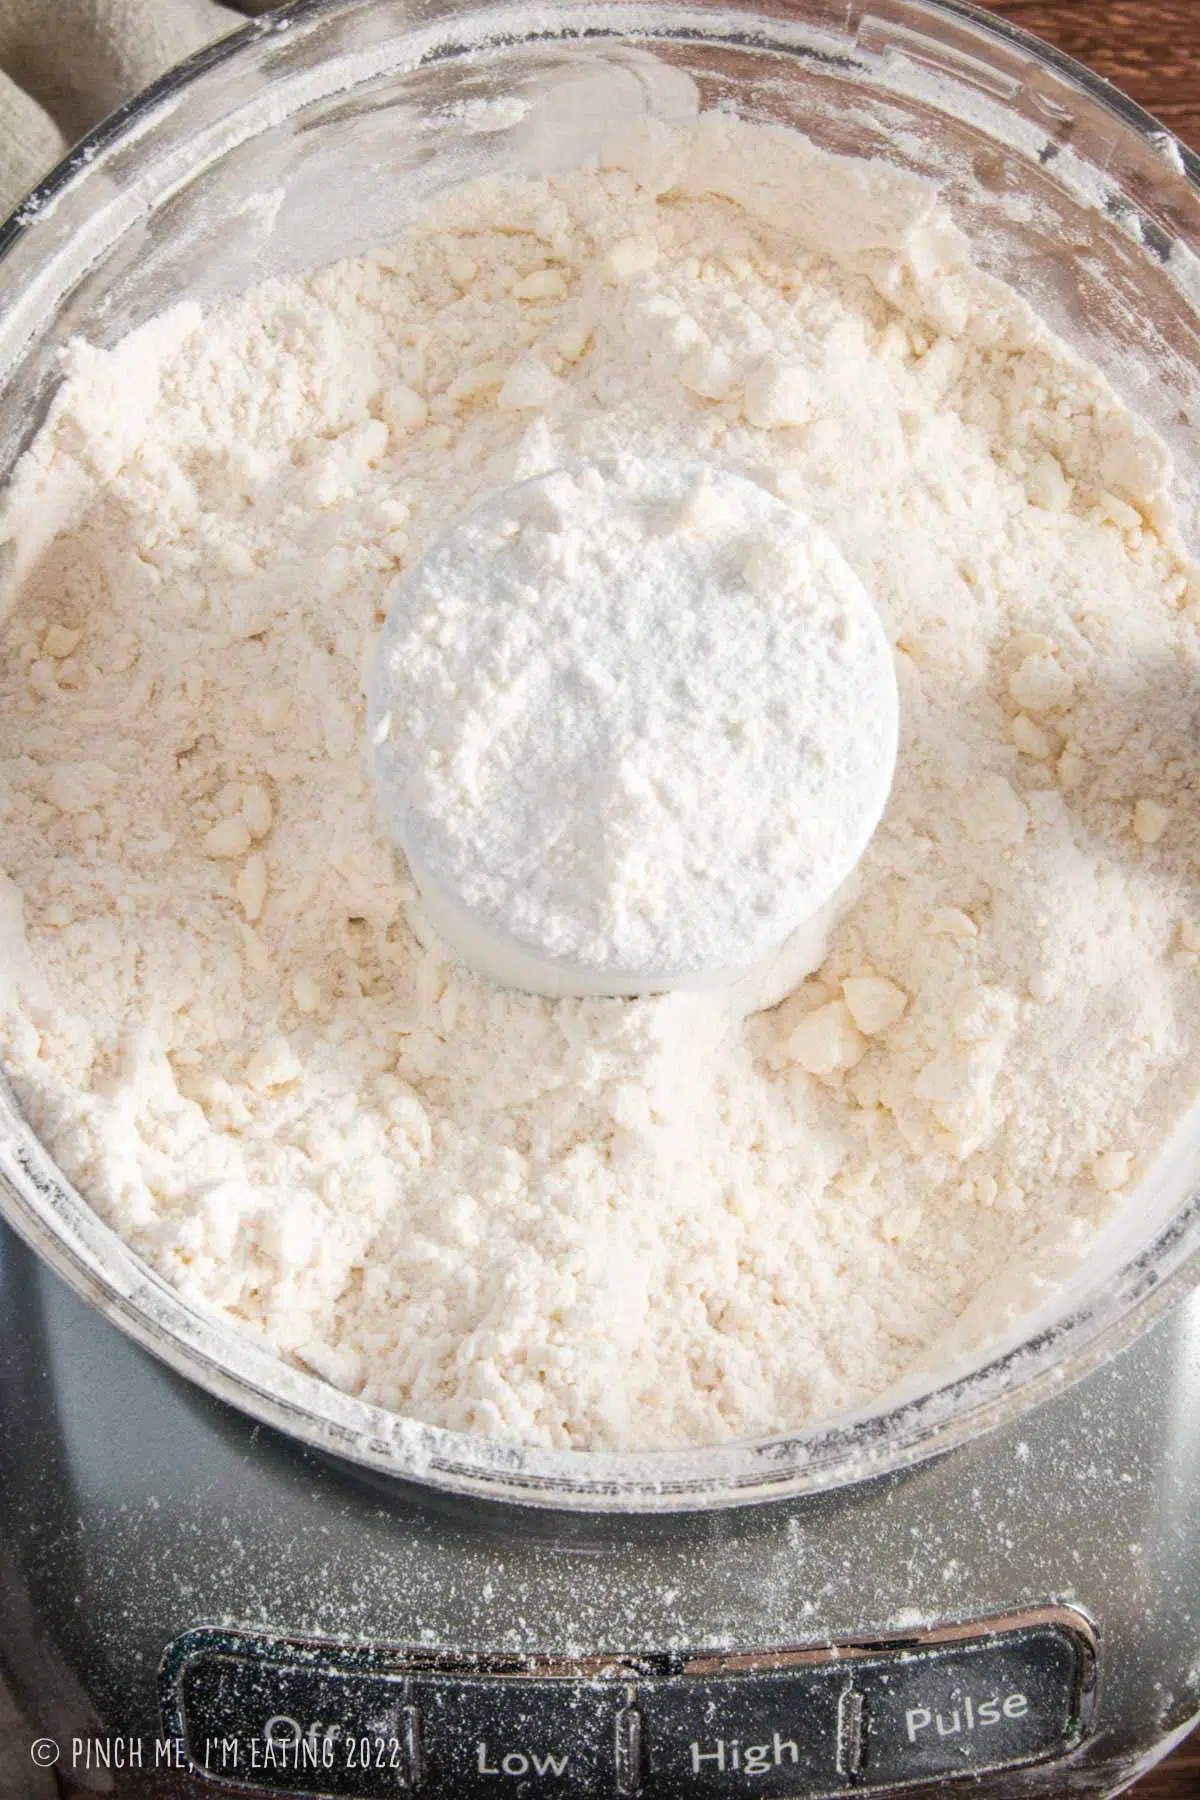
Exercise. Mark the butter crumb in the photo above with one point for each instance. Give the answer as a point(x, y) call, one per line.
point(257, 810)
point(251, 886)
point(230, 837)
point(1111, 1170)
point(306, 992)
point(1150, 821)
point(274, 1065)
point(874, 1002)
point(951, 921)
point(827, 1041)
point(60, 641)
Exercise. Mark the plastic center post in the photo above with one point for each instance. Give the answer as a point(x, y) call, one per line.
point(633, 725)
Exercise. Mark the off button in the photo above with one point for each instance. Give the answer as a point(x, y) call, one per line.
point(510, 1738)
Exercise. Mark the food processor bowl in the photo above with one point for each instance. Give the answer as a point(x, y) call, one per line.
point(317, 133)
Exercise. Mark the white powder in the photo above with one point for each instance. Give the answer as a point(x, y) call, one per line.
point(638, 719)
point(598, 1222)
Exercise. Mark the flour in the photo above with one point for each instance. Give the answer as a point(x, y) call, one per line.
point(596, 1222)
point(638, 719)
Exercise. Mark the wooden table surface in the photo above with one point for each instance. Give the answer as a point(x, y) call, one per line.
point(1151, 49)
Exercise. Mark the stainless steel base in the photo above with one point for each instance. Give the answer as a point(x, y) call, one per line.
point(134, 1508)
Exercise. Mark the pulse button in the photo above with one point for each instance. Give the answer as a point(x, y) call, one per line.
point(966, 1708)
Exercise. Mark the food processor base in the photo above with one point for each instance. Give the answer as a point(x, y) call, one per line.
point(166, 1560)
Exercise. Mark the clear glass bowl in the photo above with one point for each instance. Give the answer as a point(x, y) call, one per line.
point(312, 135)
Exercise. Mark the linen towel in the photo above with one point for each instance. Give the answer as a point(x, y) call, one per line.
point(64, 64)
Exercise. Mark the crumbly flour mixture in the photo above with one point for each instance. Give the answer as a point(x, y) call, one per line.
point(581, 1222)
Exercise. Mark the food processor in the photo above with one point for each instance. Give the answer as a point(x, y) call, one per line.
point(218, 1572)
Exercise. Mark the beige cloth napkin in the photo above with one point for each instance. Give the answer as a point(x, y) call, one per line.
point(64, 64)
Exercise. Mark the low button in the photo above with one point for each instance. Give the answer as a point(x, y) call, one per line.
point(507, 1738)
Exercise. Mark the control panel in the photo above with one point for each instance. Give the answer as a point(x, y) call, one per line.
point(306, 1718)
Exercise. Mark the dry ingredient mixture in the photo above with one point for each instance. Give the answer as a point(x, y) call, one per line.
point(598, 1223)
